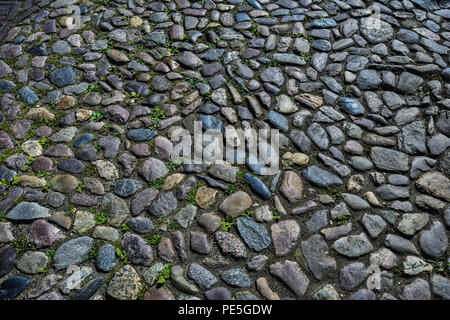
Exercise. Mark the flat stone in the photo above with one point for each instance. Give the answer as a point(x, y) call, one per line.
point(12, 287)
point(28, 211)
point(236, 204)
point(137, 249)
point(253, 234)
point(415, 266)
point(315, 250)
point(290, 273)
point(409, 83)
point(419, 289)
point(436, 184)
point(285, 235)
point(352, 275)
point(201, 276)
point(127, 187)
point(205, 197)
point(320, 177)
point(236, 277)
point(284, 104)
point(44, 234)
point(434, 241)
point(64, 183)
point(106, 259)
point(353, 246)
point(441, 286)
point(72, 252)
point(116, 209)
point(376, 30)
point(388, 159)
point(230, 244)
point(412, 223)
point(164, 205)
point(125, 285)
point(153, 169)
point(63, 76)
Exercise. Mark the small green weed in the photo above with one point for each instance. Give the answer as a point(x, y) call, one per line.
point(227, 224)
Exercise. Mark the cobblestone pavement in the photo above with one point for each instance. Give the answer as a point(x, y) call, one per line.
point(93, 207)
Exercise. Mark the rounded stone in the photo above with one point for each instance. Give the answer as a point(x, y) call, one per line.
point(64, 183)
point(32, 262)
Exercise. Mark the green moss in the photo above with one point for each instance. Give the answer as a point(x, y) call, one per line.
point(50, 254)
point(21, 245)
point(230, 189)
point(163, 275)
point(173, 226)
point(227, 224)
point(157, 183)
point(100, 218)
point(153, 240)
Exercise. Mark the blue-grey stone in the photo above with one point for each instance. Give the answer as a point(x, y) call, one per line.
point(71, 252)
point(361, 163)
point(356, 63)
point(321, 45)
point(7, 257)
point(156, 99)
point(28, 211)
point(407, 36)
point(138, 87)
point(6, 174)
point(318, 135)
point(27, 95)
point(355, 202)
point(139, 135)
point(257, 186)
point(318, 220)
point(236, 277)
point(391, 192)
point(368, 79)
point(6, 85)
point(127, 187)
point(218, 293)
point(363, 294)
point(320, 177)
point(241, 16)
point(71, 165)
point(412, 138)
point(106, 259)
point(278, 120)
point(201, 276)
point(157, 36)
point(89, 289)
point(351, 106)
point(211, 122)
point(332, 84)
point(289, 58)
point(253, 163)
point(164, 205)
point(322, 23)
point(208, 108)
point(12, 287)
point(254, 235)
point(212, 54)
point(141, 225)
point(434, 241)
point(82, 139)
point(39, 50)
point(63, 76)
point(255, 4)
